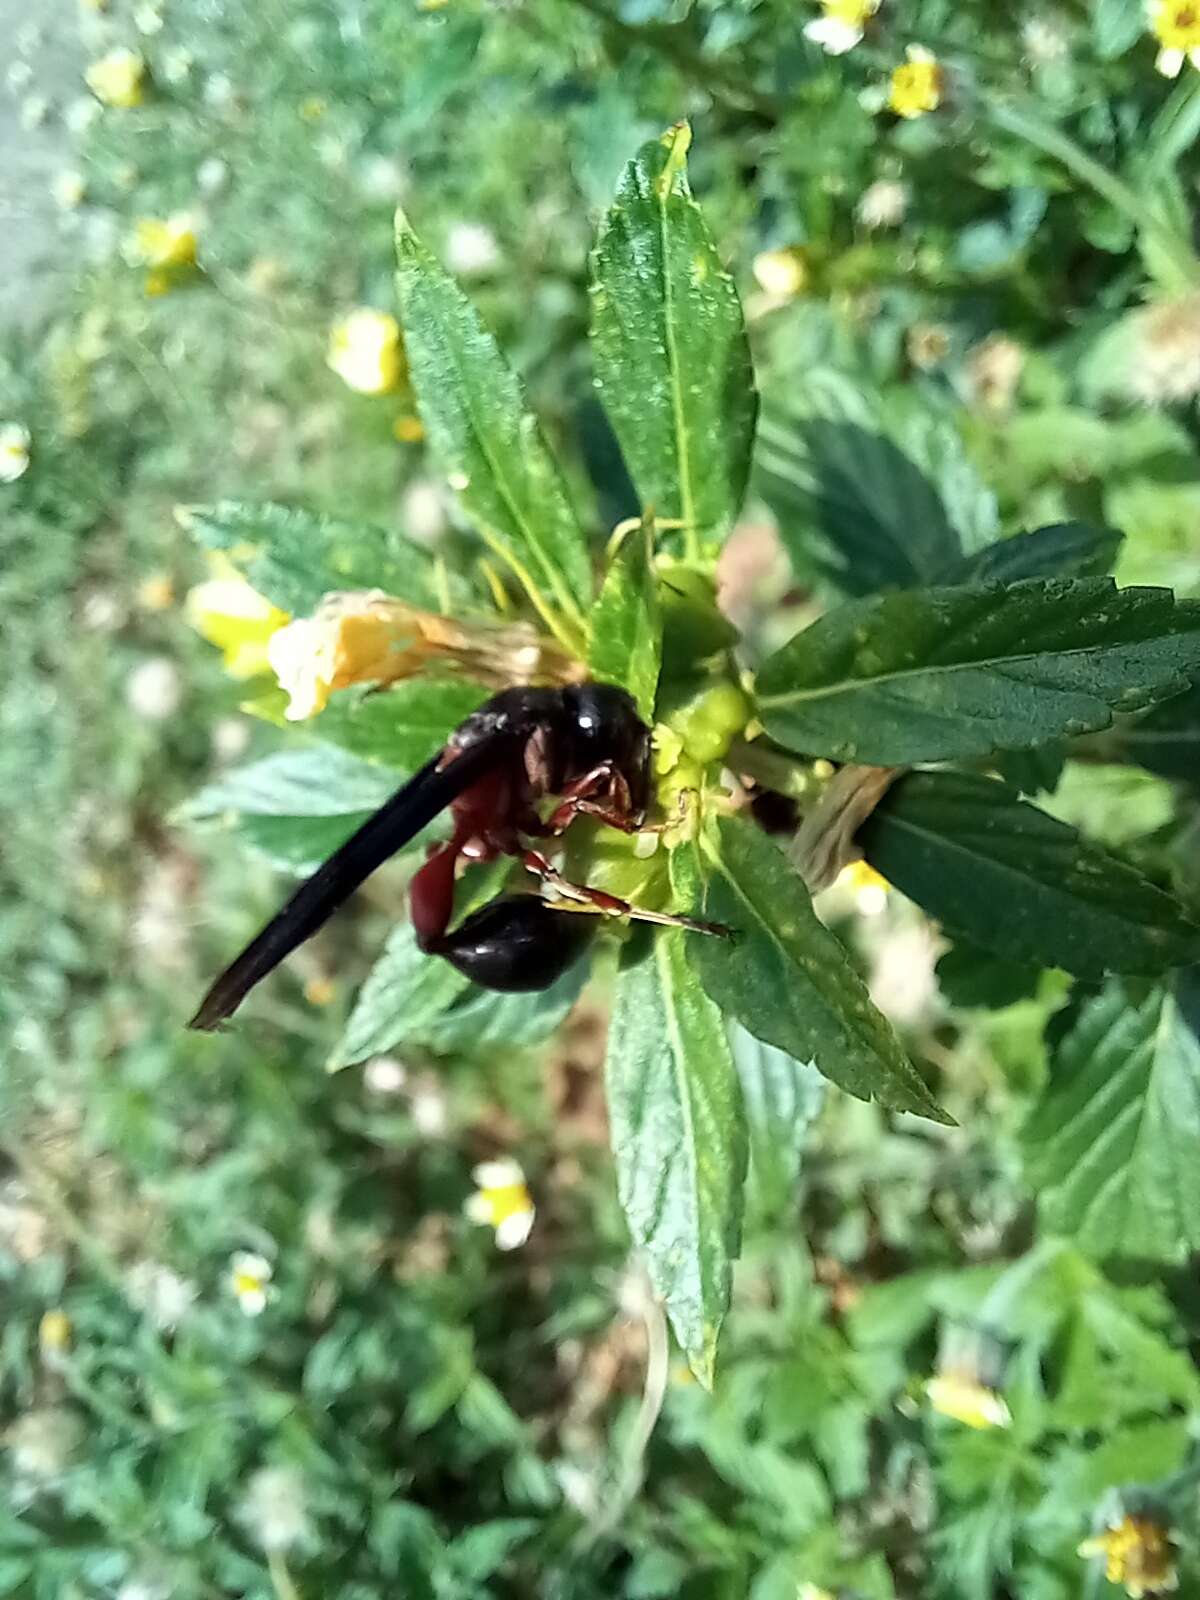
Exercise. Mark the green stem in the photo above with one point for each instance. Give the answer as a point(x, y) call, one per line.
point(772, 768)
point(1028, 125)
point(281, 1578)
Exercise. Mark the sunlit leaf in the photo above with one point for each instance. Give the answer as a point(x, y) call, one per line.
point(627, 629)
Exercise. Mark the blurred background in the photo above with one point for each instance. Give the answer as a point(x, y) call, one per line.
point(251, 1342)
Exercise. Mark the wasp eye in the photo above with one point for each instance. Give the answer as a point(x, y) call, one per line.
point(517, 944)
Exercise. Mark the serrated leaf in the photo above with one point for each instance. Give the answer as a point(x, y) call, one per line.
point(405, 994)
point(488, 443)
point(782, 1096)
point(483, 1020)
point(402, 726)
point(785, 977)
point(294, 557)
point(1111, 1146)
point(853, 506)
point(1062, 550)
point(297, 806)
point(944, 674)
point(627, 627)
point(679, 1139)
point(1167, 741)
point(1013, 880)
point(672, 363)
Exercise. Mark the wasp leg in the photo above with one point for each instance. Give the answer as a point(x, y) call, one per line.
point(610, 905)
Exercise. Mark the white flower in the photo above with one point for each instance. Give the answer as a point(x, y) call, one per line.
point(424, 511)
point(15, 442)
point(471, 250)
point(382, 178)
point(502, 1201)
point(41, 1443)
point(153, 689)
point(366, 352)
point(250, 1279)
point(176, 65)
point(273, 1509)
point(212, 175)
point(884, 204)
point(1045, 40)
point(161, 1295)
point(230, 738)
point(428, 1108)
point(833, 35)
point(385, 1075)
point(68, 190)
point(146, 1585)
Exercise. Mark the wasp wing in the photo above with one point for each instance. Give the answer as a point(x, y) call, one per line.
point(396, 822)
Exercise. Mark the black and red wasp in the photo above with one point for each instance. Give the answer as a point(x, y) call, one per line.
point(584, 745)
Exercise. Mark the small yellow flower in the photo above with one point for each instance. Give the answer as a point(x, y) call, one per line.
point(408, 429)
point(1138, 1553)
point(782, 273)
point(502, 1201)
point(320, 991)
point(868, 887)
point(54, 1333)
point(118, 79)
point(15, 442)
point(365, 351)
point(250, 1279)
point(156, 593)
point(916, 85)
point(841, 25)
point(230, 614)
point(314, 108)
point(167, 248)
point(1176, 25)
point(961, 1396)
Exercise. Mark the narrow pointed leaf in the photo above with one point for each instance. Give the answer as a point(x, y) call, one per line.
point(627, 629)
point(294, 557)
point(785, 977)
point(672, 362)
point(1063, 550)
point(1010, 879)
point(679, 1140)
point(944, 674)
point(1111, 1147)
point(488, 443)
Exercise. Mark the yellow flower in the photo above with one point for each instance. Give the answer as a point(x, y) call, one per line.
point(409, 429)
point(1176, 25)
point(54, 1333)
point(841, 25)
point(167, 248)
point(118, 79)
point(917, 85)
point(250, 1279)
point(1138, 1553)
point(869, 888)
point(502, 1201)
point(961, 1396)
point(15, 441)
point(365, 351)
point(230, 614)
point(365, 637)
point(782, 273)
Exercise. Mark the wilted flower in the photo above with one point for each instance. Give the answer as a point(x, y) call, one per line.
point(1138, 1553)
point(1045, 40)
point(118, 78)
point(927, 344)
point(471, 250)
point(993, 372)
point(41, 1443)
point(502, 1201)
point(365, 351)
point(234, 617)
point(250, 1279)
point(884, 204)
point(15, 442)
point(1164, 351)
point(841, 25)
point(274, 1510)
point(782, 273)
point(917, 84)
point(1176, 25)
point(366, 637)
point(160, 1295)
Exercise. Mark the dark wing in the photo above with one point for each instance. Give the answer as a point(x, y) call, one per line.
point(396, 822)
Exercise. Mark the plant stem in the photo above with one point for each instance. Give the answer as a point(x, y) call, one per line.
point(281, 1578)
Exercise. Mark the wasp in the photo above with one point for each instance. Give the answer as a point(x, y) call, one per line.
point(583, 747)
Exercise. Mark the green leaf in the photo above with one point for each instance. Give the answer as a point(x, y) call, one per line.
point(852, 506)
point(1111, 1147)
point(294, 557)
point(404, 996)
point(402, 726)
point(1117, 25)
point(295, 807)
point(672, 363)
point(482, 1020)
point(785, 977)
point(488, 443)
point(679, 1139)
point(974, 979)
point(1062, 550)
point(782, 1096)
point(1167, 741)
point(943, 674)
point(627, 628)
point(1013, 880)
